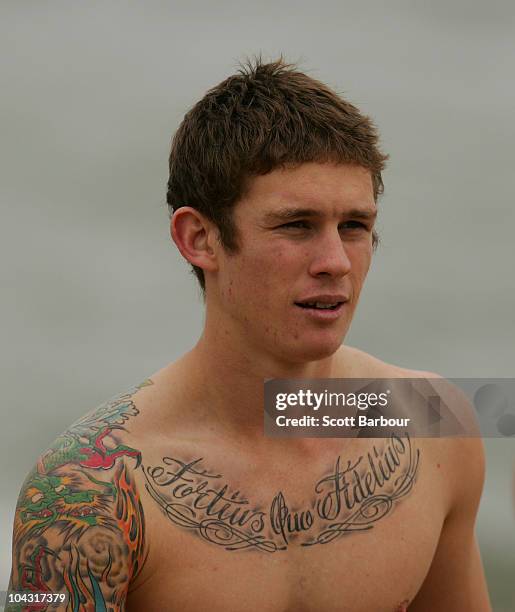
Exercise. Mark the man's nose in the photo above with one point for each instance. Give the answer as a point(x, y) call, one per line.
point(330, 257)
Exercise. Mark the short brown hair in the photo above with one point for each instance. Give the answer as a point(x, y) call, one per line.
point(266, 116)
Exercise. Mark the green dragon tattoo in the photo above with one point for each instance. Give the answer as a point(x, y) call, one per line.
point(63, 493)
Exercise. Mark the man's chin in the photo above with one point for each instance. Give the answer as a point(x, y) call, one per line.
point(316, 349)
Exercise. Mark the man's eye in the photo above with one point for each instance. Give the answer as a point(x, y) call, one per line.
point(296, 225)
point(353, 225)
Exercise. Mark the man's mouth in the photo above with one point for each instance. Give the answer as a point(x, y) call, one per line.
point(319, 305)
point(322, 301)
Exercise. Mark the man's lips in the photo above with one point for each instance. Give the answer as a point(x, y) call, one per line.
point(324, 301)
point(322, 313)
point(323, 307)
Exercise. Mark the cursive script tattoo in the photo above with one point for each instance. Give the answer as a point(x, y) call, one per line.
point(352, 497)
point(195, 499)
point(285, 523)
point(356, 497)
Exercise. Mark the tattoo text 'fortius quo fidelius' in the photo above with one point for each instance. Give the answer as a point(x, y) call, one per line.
point(353, 496)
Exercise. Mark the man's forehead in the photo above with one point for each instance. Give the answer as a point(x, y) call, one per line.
point(314, 188)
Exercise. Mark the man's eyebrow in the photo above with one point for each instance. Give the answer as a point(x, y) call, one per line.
point(288, 214)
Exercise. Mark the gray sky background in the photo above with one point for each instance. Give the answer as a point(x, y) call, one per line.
point(94, 296)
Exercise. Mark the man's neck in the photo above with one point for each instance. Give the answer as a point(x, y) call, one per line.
point(232, 379)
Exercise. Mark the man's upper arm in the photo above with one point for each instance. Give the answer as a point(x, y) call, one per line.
point(455, 580)
point(79, 525)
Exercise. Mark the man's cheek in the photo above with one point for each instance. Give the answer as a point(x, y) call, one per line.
point(360, 265)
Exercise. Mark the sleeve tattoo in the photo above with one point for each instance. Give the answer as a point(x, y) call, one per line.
point(79, 524)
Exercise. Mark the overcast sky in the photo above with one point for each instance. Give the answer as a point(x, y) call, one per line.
point(94, 295)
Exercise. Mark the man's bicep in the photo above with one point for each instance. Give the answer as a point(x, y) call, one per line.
point(78, 531)
point(91, 570)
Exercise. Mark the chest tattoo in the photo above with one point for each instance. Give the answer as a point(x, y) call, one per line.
point(353, 496)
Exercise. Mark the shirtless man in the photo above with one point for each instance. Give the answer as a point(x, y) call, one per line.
point(169, 497)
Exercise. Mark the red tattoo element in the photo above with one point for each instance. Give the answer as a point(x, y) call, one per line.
point(32, 578)
point(100, 457)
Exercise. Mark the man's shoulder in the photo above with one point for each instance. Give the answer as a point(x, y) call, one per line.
point(465, 442)
point(354, 362)
point(94, 440)
point(91, 452)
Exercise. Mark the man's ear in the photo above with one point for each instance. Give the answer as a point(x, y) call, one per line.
point(195, 237)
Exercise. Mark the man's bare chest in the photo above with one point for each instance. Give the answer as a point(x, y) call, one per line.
point(357, 533)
